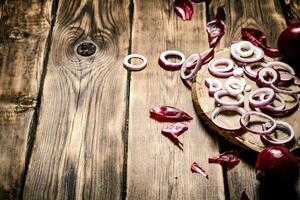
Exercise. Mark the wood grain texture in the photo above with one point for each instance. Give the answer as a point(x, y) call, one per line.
point(157, 169)
point(79, 147)
point(24, 29)
point(266, 16)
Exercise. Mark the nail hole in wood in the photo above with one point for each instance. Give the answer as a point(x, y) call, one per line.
point(86, 48)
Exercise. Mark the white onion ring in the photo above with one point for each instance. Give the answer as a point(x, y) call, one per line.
point(167, 65)
point(132, 67)
point(220, 93)
point(282, 65)
point(258, 52)
point(288, 143)
point(245, 45)
point(231, 82)
point(213, 85)
point(261, 103)
point(245, 119)
point(218, 110)
point(192, 60)
point(249, 72)
point(222, 73)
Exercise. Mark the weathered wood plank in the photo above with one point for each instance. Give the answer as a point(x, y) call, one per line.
point(266, 16)
point(157, 169)
point(79, 147)
point(24, 29)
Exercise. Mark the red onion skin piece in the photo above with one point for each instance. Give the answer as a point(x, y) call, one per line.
point(276, 165)
point(173, 137)
point(184, 9)
point(228, 159)
point(169, 114)
point(259, 35)
point(175, 129)
point(272, 52)
point(216, 27)
point(195, 168)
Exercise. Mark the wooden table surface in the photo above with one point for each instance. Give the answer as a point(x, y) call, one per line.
point(75, 127)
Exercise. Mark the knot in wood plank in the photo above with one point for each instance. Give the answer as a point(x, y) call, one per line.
point(86, 48)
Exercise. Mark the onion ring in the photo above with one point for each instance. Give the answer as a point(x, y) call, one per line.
point(218, 110)
point(267, 72)
point(282, 65)
point(245, 119)
point(213, 85)
point(250, 73)
point(232, 82)
point(261, 103)
point(270, 106)
point(220, 93)
point(287, 128)
point(170, 66)
point(222, 73)
point(248, 46)
point(194, 60)
point(258, 54)
point(132, 67)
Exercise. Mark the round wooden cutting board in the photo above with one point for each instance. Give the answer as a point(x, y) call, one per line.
point(205, 104)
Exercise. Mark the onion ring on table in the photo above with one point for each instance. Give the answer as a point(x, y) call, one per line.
point(221, 72)
point(285, 90)
point(132, 67)
point(249, 72)
point(265, 72)
point(235, 86)
point(218, 110)
point(245, 119)
point(258, 54)
point(248, 46)
point(284, 112)
point(213, 85)
point(270, 106)
point(283, 65)
point(195, 60)
point(220, 93)
point(287, 128)
point(170, 66)
point(261, 103)
point(238, 72)
point(286, 78)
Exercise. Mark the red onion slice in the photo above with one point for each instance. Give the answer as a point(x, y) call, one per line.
point(207, 55)
point(273, 107)
point(218, 110)
point(265, 73)
point(184, 9)
point(132, 67)
point(228, 159)
point(195, 168)
point(235, 86)
point(288, 142)
point(245, 120)
point(281, 65)
point(258, 54)
point(213, 85)
point(216, 27)
point(221, 72)
point(284, 90)
point(284, 112)
point(220, 93)
point(195, 60)
point(259, 35)
point(261, 103)
point(170, 66)
point(250, 73)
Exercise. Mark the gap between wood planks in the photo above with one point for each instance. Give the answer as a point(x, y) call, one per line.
point(35, 118)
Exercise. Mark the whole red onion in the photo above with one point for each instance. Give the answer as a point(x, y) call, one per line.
point(276, 165)
point(289, 42)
